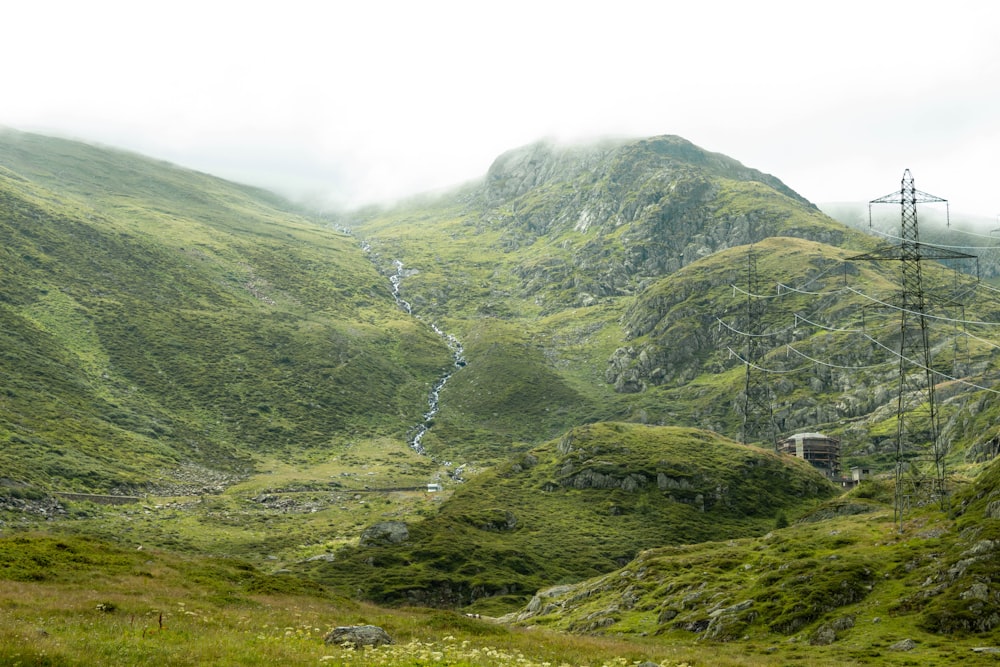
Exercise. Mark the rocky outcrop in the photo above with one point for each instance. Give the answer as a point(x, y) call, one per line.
point(593, 479)
point(44, 507)
point(964, 593)
point(518, 171)
point(729, 622)
point(621, 163)
point(903, 645)
point(493, 520)
point(385, 533)
point(828, 633)
point(838, 509)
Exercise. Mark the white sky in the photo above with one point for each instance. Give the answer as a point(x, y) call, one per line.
point(371, 99)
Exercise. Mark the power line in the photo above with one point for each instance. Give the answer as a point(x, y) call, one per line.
point(910, 311)
point(981, 340)
point(982, 236)
point(915, 416)
point(929, 369)
point(764, 369)
point(755, 296)
point(799, 316)
point(988, 288)
point(913, 341)
point(758, 406)
point(829, 365)
point(839, 290)
point(949, 247)
point(747, 334)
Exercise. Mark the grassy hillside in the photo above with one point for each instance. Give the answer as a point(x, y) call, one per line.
point(844, 576)
point(95, 603)
point(153, 316)
point(583, 503)
point(74, 601)
point(527, 383)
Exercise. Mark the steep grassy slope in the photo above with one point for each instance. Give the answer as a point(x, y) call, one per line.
point(526, 383)
point(583, 503)
point(153, 316)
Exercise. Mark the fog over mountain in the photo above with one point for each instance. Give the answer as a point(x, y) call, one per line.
point(351, 103)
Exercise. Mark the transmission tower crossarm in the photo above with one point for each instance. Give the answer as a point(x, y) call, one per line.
point(908, 196)
point(913, 196)
point(924, 250)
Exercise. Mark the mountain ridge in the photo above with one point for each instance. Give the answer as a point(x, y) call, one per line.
point(516, 171)
point(594, 321)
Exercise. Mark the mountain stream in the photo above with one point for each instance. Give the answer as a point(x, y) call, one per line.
point(458, 356)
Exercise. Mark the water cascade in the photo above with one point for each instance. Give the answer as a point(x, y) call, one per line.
point(457, 352)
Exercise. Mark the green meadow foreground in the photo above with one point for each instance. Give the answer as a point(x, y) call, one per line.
point(67, 598)
point(116, 608)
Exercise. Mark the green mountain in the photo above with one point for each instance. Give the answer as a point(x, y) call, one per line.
point(561, 348)
point(158, 322)
point(536, 267)
point(610, 282)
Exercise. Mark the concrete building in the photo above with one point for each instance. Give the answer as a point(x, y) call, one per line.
point(822, 451)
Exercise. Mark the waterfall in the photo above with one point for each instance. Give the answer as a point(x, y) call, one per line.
point(396, 279)
point(457, 352)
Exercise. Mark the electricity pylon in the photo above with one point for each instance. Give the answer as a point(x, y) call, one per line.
point(758, 411)
point(917, 425)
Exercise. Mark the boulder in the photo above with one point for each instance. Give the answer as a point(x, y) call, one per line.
point(904, 645)
point(830, 632)
point(824, 636)
point(356, 636)
point(384, 533)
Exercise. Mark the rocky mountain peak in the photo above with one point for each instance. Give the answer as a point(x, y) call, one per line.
point(517, 171)
point(621, 162)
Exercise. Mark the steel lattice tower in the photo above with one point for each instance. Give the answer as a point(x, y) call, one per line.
point(758, 411)
point(917, 425)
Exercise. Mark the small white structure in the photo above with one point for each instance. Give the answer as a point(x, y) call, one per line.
point(431, 488)
point(858, 473)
